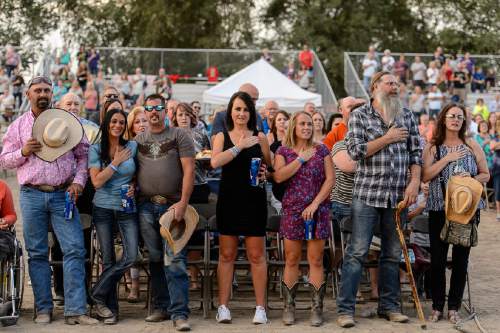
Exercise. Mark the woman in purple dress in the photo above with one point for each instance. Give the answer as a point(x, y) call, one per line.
point(308, 169)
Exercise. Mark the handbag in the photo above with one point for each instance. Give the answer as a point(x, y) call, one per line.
point(456, 233)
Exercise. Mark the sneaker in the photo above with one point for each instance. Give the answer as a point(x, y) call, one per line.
point(223, 315)
point(396, 317)
point(345, 321)
point(43, 318)
point(80, 320)
point(182, 325)
point(498, 216)
point(260, 315)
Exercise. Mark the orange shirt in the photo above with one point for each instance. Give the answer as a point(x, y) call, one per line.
point(335, 135)
point(7, 211)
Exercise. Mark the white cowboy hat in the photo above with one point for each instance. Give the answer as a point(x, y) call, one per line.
point(58, 131)
point(462, 198)
point(178, 233)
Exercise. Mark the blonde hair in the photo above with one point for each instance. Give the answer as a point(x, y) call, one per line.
point(290, 139)
point(129, 134)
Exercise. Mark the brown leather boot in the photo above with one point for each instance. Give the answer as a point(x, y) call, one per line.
point(289, 303)
point(317, 296)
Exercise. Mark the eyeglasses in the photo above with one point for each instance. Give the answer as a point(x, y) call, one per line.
point(149, 108)
point(454, 116)
point(39, 79)
point(110, 96)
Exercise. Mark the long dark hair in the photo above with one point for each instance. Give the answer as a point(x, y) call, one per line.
point(440, 133)
point(252, 122)
point(105, 157)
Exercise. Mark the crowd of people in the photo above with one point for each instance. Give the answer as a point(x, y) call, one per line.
point(361, 164)
point(426, 87)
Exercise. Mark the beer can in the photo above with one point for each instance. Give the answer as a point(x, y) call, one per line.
point(69, 205)
point(309, 229)
point(127, 202)
point(254, 171)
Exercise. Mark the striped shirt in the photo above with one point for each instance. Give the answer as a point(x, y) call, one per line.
point(382, 177)
point(342, 191)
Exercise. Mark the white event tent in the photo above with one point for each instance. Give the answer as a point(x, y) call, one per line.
point(272, 85)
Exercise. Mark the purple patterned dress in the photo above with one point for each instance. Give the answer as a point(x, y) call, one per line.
point(301, 190)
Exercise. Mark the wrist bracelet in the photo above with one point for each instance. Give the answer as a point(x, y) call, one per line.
point(234, 151)
point(115, 169)
point(301, 160)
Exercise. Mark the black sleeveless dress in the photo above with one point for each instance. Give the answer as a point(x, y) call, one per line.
point(241, 208)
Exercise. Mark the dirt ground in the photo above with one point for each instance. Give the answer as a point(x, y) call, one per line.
point(484, 274)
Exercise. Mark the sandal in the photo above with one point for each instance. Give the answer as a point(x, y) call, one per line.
point(453, 316)
point(435, 316)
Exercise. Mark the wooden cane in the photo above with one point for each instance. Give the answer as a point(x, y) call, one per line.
point(414, 292)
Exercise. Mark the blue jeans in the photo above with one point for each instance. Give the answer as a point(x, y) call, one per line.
point(104, 219)
point(364, 219)
point(39, 209)
point(169, 283)
point(339, 211)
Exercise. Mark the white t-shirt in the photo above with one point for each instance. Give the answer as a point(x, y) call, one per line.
point(432, 75)
point(435, 104)
point(138, 87)
point(473, 128)
point(418, 70)
point(388, 63)
point(369, 71)
point(494, 106)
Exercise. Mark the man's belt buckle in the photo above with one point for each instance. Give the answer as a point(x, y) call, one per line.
point(158, 199)
point(46, 188)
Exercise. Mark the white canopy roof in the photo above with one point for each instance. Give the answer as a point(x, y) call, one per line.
point(272, 85)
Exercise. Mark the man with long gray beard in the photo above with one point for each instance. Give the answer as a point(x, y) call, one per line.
point(383, 138)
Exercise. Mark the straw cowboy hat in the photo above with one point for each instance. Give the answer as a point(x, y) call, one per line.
point(178, 233)
point(58, 131)
point(462, 198)
point(92, 133)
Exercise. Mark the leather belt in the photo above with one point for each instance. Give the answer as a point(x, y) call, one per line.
point(48, 188)
point(158, 199)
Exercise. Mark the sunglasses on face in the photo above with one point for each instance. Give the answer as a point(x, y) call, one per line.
point(110, 96)
point(149, 108)
point(455, 116)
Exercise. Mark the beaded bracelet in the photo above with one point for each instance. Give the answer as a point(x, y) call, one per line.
point(301, 160)
point(234, 151)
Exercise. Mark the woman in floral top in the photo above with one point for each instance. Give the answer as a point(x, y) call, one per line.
point(308, 169)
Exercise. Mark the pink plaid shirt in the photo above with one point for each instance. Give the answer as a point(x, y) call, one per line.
point(70, 167)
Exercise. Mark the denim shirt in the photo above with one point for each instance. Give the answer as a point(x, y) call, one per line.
point(108, 196)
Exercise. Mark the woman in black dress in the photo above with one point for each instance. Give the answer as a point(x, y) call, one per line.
point(241, 208)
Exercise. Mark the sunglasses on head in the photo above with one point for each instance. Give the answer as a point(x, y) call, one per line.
point(39, 79)
point(110, 96)
point(149, 108)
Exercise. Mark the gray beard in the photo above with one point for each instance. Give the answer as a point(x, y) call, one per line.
point(390, 105)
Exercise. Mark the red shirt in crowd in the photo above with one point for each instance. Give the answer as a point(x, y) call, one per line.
point(306, 58)
point(7, 212)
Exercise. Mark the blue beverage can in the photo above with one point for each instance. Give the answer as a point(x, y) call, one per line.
point(127, 202)
point(309, 229)
point(254, 171)
point(69, 205)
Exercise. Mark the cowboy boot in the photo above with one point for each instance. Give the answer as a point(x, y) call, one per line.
point(317, 296)
point(289, 303)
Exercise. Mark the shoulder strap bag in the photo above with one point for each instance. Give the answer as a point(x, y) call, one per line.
point(455, 233)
